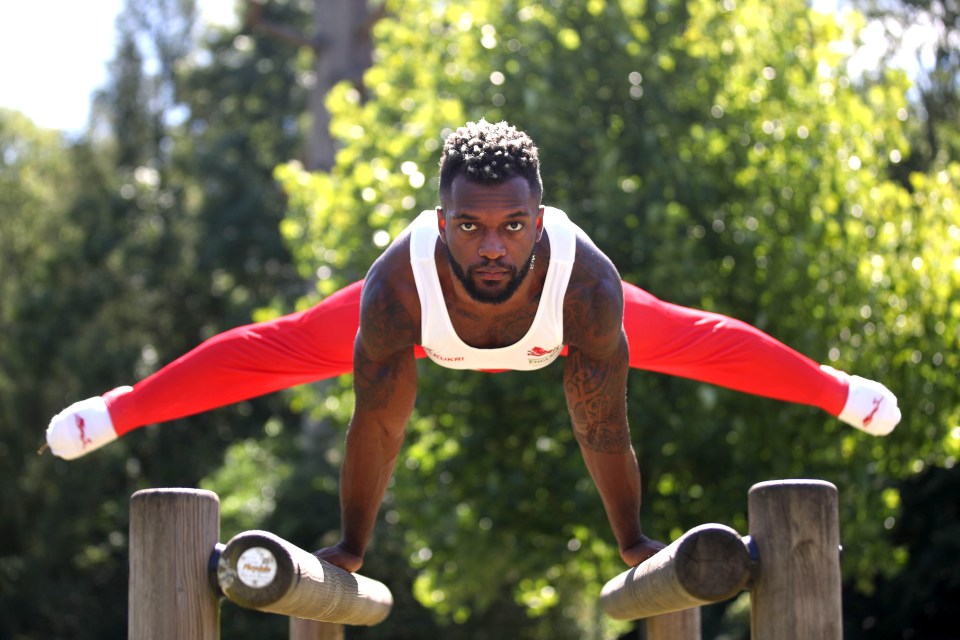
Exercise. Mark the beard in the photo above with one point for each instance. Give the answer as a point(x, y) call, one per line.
point(478, 294)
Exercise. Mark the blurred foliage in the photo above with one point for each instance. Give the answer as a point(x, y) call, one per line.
point(113, 261)
point(919, 601)
point(721, 153)
point(925, 35)
point(723, 157)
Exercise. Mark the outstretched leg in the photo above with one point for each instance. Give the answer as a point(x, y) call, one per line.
point(714, 348)
point(245, 362)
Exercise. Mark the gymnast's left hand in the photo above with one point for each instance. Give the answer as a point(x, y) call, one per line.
point(642, 549)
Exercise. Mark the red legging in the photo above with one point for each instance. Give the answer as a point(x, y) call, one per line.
point(317, 343)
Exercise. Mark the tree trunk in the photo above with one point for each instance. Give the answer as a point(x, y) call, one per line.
point(343, 52)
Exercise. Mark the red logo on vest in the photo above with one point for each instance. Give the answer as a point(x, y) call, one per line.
point(82, 428)
point(538, 352)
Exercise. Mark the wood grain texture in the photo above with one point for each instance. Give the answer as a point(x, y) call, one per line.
point(678, 625)
point(796, 594)
point(303, 586)
point(172, 534)
point(707, 564)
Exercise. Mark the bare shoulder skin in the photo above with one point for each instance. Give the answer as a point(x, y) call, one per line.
point(390, 305)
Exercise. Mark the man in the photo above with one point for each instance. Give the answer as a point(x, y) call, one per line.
point(491, 280)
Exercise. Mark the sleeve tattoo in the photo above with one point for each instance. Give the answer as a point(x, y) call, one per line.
point(595, 390)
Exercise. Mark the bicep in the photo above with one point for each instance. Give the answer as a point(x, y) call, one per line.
point(384, 367)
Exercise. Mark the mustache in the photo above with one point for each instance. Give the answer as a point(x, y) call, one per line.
point(486, 264)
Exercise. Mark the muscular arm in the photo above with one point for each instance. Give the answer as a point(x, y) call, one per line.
point(385, 386)
point(595, 382)
point(595, 397)
point(385, 391)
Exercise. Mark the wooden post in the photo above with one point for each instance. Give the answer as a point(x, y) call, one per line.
point(796, 593)
point(262, 571)
point(172, 534)
point(679, 625)
point(301, 629)
point(707, 564)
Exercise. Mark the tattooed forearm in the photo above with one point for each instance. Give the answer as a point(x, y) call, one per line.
point(595, 391)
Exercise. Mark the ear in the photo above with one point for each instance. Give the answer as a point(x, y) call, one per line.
point(442, 224)
point(539, 223)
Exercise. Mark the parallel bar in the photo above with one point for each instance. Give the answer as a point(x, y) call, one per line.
point(796, 595)
point(262, 571)
point(707, 564)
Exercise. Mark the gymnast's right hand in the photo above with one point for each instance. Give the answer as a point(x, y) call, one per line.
point(81, 428)
point(641, 550)
point(342, 556)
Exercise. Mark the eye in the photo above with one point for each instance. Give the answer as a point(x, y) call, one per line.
point(515, 226)
point(468, 226)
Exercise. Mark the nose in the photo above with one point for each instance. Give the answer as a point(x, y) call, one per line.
point(492, 246)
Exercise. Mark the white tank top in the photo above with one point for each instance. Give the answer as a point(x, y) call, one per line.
point(543, 341)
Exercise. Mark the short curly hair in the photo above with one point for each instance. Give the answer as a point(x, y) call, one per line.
point(490, 154)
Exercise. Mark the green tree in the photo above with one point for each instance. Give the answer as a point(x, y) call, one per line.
point(47, 579)
point(936, 80)
point(119, 254)
point(719, 153)
point(723, 157)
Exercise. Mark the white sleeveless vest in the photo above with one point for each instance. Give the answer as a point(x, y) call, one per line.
point(543, 341)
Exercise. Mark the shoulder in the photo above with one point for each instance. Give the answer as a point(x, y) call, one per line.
point(593, 305)
point(389, 303)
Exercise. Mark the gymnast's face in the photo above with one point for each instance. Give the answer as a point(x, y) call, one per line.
point(490, 231)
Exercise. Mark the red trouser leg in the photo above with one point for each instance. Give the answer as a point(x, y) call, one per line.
point(245, 362)
point(317, 343)
point(713, 348)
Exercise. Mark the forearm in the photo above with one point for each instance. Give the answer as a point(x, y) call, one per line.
point(596, 398)
point(369, 461)
point(724, 351)
point(617, 477)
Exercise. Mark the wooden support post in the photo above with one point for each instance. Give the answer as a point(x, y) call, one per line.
point(707, 564)
point(172, 534)
point(679, 625)
point(301, 629)
point(262, 571)
point(796, 593)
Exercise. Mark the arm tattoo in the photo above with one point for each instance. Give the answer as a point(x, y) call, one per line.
point(385, 323)
point(383, 353)
point(593, 306)
point(374, 382)
point(596, 391)
point(595, 377)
